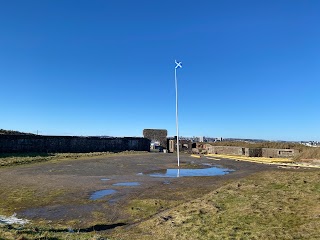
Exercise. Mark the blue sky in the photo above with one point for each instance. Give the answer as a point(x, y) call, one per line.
point(250, 68)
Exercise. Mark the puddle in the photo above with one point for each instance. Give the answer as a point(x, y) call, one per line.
point(101, 193)
point(207, 164)
point(12, 220)
point(112, 201)
point(203, 172)
point(105, 179)
point(126, 184)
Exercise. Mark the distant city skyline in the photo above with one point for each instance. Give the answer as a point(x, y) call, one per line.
point(250, 68)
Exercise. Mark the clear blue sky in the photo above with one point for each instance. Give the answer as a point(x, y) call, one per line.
point(251, 69)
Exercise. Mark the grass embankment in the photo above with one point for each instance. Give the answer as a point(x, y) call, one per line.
point(305, 153)
point(249, 159)
point(270, 205)
point(308, 154)
point(12, 159)
point(280, 145)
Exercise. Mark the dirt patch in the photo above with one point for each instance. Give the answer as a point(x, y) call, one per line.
point(58, 192)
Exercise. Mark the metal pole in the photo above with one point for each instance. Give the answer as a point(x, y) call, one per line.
point(177, 126)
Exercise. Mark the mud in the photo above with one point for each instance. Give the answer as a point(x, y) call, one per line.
point(79, 179)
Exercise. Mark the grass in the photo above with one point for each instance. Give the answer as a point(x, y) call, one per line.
point(251, 159)
point(45, 233)
point(139, 209)
point(270, 205)
point(280, 145)
point(25, 197)
point(305, 153)
point(308, 154)
point(13, 159)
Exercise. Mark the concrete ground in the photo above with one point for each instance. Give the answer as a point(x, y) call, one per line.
point(75, 180)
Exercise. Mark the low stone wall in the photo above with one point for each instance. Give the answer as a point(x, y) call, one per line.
point(276, 153)
point(250, 152)
point(226, 150)
point(51, 144)
point(253, 152)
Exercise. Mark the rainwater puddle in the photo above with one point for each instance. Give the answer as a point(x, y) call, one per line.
point(12, 220)
point(126, 184)
point(101, 193)
point(207, 164)
point(105, 179)
point(203, 172)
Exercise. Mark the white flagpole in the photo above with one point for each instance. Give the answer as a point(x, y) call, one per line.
point(178, 64)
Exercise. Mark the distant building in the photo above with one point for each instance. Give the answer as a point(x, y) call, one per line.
point(184, 145)
point(158, 137)
point(201, 139)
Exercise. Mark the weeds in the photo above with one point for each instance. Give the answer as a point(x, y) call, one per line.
point(12, 159)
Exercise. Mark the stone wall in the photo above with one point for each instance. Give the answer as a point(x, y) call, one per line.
point(253, 152)
point(184, 145)
point(156, 135)
point(249, 152)
point(277, 153)
point(35, 143)
point(225, 150)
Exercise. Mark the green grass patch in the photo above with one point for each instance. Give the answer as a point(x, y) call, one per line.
point(270, 205)
point(13, 159)
point(143, 208)
point(24, 197)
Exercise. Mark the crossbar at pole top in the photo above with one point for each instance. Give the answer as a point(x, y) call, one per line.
point(178, 65)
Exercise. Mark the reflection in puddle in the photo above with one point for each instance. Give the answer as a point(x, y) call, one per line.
point(207, 164)
point(127, 184)
point(112, 201)
point(105, 179)
point(203, 172)
point(99, 194)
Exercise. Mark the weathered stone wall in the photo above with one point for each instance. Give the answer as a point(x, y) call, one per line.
point(276, 153)
point(226, 150)
point(156, 135)
point(249, 152)
point(253, 152)
point(35, 143)
point(184, 145)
